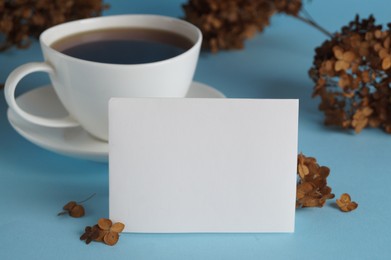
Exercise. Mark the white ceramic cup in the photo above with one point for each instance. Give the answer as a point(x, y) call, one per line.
point(85, 87)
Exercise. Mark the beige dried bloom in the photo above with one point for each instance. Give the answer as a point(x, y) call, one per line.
point(346, 204)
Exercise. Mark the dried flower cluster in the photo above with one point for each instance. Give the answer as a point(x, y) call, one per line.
point(105, 231)
point(312, 189)
point(352, 75)
point(227, 24)
point(346, 204)
point(22, 19)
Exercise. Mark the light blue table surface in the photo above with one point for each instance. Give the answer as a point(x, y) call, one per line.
point(35, 183)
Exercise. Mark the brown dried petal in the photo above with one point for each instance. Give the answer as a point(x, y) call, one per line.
point(111, 238)
point(338, 52)
point(69, 205)
point(386, 64)
point(387, 42)
point(341, 65)
point(105, 223)
point(349, 56)
point(383, 53)
point(117, 227)
point(77, 211)
point(324, 171)
point(303, 170)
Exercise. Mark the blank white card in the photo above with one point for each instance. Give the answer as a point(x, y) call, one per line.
point(203, 165)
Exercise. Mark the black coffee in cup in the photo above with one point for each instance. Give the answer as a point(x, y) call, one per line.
point(123, 45)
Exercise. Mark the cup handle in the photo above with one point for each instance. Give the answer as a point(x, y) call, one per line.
point(9, 92)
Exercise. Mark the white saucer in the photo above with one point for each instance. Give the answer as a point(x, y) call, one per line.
point(74, 142)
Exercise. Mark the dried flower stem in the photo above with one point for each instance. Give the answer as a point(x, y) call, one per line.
point(314, 24)
point(62, 213)
point(90, 197)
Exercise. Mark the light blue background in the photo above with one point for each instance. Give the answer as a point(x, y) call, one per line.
point(35, 183)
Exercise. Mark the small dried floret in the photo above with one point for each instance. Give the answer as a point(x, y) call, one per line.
point(345, 203)
point(105, 231)
point(111, 231)
point(312, 189)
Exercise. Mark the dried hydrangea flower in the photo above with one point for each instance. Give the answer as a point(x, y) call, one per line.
point(105, 231)
point(352, 73)
point(346, 204)
point(312, 189)
point(22, 19)
point(227, 24)
point(110, 231)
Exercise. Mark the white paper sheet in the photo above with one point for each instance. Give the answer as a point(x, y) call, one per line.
point(203, 165)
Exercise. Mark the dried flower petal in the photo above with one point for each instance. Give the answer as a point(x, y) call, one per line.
point(349, 56)
point(117, 227)
point(77, 211)
point(386, 64)
point(345, 203)
point(303, 170)
point(104, 223)
point(111, 238)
